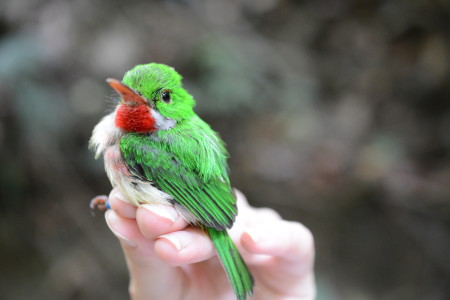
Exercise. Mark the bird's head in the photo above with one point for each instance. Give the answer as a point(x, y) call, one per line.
point(152, 98)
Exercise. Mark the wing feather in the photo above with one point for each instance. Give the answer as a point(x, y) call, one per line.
point(209, 198)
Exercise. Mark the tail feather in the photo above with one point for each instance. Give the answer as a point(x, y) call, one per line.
point(235, 267)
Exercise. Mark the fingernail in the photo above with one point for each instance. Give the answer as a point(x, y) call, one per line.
point(180, 239)
point(255, 235)
point(164, 211)
point(111, 221)
point(173, 240)
point(120, 196)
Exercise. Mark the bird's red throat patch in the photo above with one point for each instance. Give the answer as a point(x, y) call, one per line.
point(135, 118)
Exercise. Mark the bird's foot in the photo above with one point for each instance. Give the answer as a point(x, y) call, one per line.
point(100, 202)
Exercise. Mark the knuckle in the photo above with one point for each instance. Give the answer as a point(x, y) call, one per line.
point(305, 239)
point(132, 290)
point(268, 213)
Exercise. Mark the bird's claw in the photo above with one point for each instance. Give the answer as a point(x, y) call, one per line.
point(100, 202)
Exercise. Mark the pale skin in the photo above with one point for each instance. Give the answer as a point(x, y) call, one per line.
point(169, 259)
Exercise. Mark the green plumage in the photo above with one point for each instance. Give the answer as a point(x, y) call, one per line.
point(234, 265)
point(188, 162)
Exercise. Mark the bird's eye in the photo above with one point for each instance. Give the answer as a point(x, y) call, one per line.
point(165, 96)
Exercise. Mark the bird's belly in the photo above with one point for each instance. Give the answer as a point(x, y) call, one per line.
point(134, 190)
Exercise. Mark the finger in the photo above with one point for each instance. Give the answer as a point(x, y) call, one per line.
point(188, 246)
point(248, 215)
point(291, 242)
point(128, 232)
point(244, 211)
point(254, 217)
point(144, 266)
point(265, 213)
point(118, 203)
point(241, 201)
point(155, 220)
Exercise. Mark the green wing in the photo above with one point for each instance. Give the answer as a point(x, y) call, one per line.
point(209, 198)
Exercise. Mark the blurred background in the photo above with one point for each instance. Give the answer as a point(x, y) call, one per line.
point(336, 114)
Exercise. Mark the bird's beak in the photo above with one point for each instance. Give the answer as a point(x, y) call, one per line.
point(128, 95)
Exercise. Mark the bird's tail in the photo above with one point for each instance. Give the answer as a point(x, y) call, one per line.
point(235, 267)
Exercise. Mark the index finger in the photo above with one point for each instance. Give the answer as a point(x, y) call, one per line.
point(120, 205)
point(291, 242)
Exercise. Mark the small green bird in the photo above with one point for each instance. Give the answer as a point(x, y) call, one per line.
point(157, 150)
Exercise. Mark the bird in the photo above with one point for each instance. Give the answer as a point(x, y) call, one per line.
point(157, 150)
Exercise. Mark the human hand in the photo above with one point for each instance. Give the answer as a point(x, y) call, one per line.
point(169, 259)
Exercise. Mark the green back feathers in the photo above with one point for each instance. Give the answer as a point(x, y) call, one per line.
point(198, 147)
point(150, 79)
point(187, 162)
